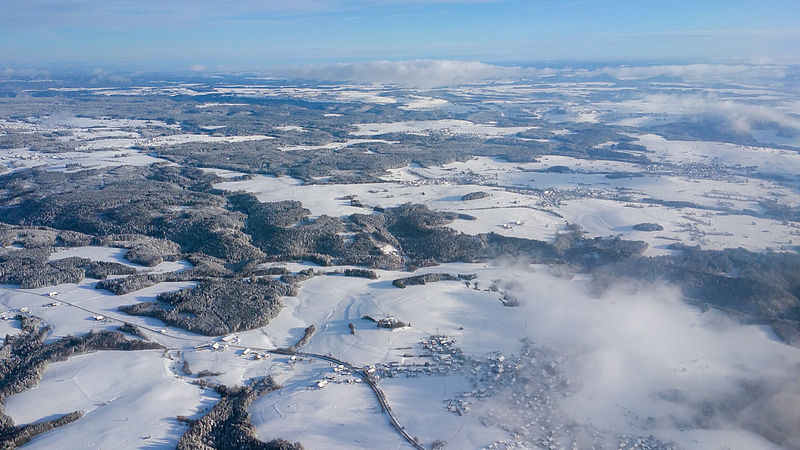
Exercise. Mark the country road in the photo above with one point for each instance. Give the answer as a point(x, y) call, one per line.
point(367, 379)
point(375, 389)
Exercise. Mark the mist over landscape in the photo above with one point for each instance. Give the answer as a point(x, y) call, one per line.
point(488, 224)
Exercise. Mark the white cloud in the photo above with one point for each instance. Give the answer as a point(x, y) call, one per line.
point(694, 72)
point(416, 73)
point(741, 117)
point(438, 73)
point(23, 73)
point(645, 362)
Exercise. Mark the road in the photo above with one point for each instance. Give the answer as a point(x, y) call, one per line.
point(376, 390)
point(367, 379)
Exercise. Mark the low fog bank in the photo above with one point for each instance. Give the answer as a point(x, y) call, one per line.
point(642, 362)
point(428, 73)
point(424, 74)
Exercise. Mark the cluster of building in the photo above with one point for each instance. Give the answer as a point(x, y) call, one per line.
point(711, 170)
point(9, 315)
point(525, 392)
point(340, 375)
point(439, 356)
point(225, 342)
point(555, 198)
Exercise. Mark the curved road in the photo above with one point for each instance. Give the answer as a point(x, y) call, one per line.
point(367, 379)
point(378, 393)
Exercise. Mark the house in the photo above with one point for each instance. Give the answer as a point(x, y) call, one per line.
point(391, 323)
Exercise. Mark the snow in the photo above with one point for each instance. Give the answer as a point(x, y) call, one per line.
point(335, 145)
point(767, 160)
point(605, 218)
point(103, 142)
point(479, 323)
point(176, 139)
point(530, 215)
point(364, 96)
point(420, 405)
point(212, 104)
point(291, 128)
point(339, 93)
point(17, 159)
point(101, 132)
point(421, 103)
point(425, 127)
point(117, 255)
point(222, 173)
point(9, 327)
point(491, 213)
point(66, 320)
point(107, 133)
point(332, 302)
point(632, 345)
point(104, 122)
point(339, 416)
point(118, 415)
point(342, 415)
point(576, 115)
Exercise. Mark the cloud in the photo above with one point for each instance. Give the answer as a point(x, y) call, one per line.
point(104, 76)
point(706, 73)
point(23, 73)
point(740, 117)
point(438, 73)
point(740, 97)
point(642, 361)
point(416, 73)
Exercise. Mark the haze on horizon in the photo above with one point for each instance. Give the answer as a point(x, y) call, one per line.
point(257, 34)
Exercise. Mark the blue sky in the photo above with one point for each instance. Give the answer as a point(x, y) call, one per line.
point(257, 34)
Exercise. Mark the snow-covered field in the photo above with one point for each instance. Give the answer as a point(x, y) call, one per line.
point(338, 416)
point(163, 141)
point(117, 255)
point(335, 145)
point(103, 142)
point(548, 200)
point(767, 160)
point(17, 159)
point(567, 368)
point(345, 414)
point(138, 414)
point(422, 103)
point(424, 127)
point(620, 330)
